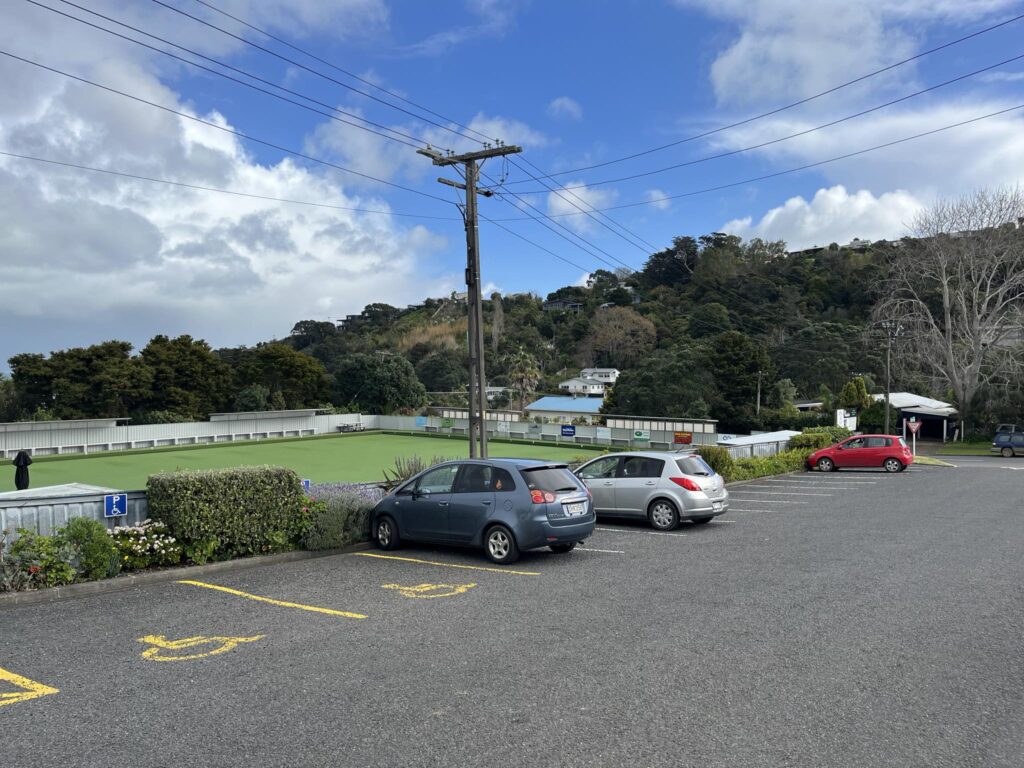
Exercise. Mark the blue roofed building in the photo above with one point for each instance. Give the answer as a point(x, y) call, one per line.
point(565, 410)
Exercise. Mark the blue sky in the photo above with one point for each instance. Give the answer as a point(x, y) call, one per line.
point(86, 257)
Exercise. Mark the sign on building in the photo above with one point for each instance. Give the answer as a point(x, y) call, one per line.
point(115, 505)
point(568, 430)
point(642, 435)
point(603, 433)
point(682, 438)
point(421, 421)
point(447, 423)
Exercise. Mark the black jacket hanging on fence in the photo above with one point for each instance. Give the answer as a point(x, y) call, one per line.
point(21, 461)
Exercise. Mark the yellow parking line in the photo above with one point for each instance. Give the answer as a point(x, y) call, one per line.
point(447, 565)
point(282, 603)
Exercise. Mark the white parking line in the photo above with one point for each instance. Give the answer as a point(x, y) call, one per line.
point(814, 480)
point(604, 551)
point(777, 493)
point(769, 501)
point(649, 533)
point(816, 484)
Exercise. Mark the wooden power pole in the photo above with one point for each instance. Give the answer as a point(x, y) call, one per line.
point(477, 376)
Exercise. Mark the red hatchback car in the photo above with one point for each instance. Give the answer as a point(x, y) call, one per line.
point(886, 451)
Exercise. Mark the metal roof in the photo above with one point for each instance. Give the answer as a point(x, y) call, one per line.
point(901, 400)
point(590, 405)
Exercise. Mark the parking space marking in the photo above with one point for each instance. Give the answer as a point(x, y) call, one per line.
point(446, 565)
point(271, 601)
point(770, 501)
point(160, 644)
point(605, 551)
point(649, 533)
point(429, 591)
point(30, 689)
point(777, 493)
point(822, 481)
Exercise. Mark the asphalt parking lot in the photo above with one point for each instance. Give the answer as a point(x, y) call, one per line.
point(849, 619)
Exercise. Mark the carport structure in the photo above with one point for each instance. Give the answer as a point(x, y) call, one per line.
point(934, 415)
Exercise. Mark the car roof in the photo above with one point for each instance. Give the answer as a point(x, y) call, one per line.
point(519, 463)
point(650, 454)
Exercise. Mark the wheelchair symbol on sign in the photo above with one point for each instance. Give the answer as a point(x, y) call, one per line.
point(115, 505)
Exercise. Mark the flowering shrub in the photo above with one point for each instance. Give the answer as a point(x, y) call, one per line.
point(45, 560)
point(339, 514)
point(148, 544)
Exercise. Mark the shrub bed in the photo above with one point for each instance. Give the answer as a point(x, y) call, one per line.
point(224, 513)
point(339, 515)
point(762, 466)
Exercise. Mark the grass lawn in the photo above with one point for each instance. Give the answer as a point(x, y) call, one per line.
point(966, 449)
point(353, 458)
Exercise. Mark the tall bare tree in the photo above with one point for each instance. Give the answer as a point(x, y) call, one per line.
point(957, 289)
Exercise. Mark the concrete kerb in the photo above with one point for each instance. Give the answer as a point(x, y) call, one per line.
point(118, 583)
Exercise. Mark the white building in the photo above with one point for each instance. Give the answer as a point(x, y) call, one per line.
point(607, 376)
point(585, 387)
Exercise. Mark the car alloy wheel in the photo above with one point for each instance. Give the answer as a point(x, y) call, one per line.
point(893, 465)
point(387, 533)
point(1007, 452)
point(663, 515)
point(826, 464)
point(500, 545)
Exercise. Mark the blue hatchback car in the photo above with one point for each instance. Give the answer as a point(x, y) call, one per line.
point(503, 505)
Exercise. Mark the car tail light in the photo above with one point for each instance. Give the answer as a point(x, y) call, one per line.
point(686, 483)
point(542, 497)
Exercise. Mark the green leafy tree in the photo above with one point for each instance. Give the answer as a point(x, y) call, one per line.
point(671, 383)
point(854, 394)
point(254, 397)
point(709, 319)
point(378, 384)
point(619, 337)
point(187, 377)
point(736, 361)
point(443, 371)
point(300, 379)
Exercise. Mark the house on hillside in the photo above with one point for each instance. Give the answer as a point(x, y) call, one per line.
point(607, 376)
point(583, 387)
point(563, 305)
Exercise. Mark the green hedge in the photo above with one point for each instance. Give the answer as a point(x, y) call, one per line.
point(835, 434)
point(762, 466)
point(224, 513)
point(718, 458)
point(812, 440)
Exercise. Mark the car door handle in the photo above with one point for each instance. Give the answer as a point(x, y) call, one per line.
point(485, 501)
point(609, 482)
point(442, 503)
point(651, 482)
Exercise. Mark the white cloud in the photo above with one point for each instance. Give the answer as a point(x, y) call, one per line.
point(832, 216)
point(495, 18)
point(85, 256)
point(571, 201)
point(1001, 77)
point(659, 199)
point(791, 49)
point(565, 108)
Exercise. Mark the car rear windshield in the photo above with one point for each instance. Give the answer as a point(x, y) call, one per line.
point(694, 465)
point(552, 479)
point(902, 442)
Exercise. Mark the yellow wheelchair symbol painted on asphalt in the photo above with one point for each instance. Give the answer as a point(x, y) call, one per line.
point(429, 591)
point(30, 689)
point(161, 644)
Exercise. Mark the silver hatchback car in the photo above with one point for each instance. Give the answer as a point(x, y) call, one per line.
point(663, 487)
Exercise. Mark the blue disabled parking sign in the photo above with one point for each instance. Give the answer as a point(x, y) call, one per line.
point(305, 485)
point(115, 505)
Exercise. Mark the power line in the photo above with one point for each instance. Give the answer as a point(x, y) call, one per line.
point(335, 67)
point(535, 245)
point(218, 190)
point(312, 71)
point(815, 164)
point(410, 141)
point(777, 110)
point(225, 129)
point(804, 132)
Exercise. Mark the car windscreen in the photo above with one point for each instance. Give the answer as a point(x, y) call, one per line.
point(694, 465)
point(552, 479)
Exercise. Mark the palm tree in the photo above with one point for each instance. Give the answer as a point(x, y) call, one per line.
point(523, 373)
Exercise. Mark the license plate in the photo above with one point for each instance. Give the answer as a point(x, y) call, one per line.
point(716, 506)
point(575, 510)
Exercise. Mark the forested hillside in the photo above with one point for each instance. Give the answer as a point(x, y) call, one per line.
point(695, 333)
